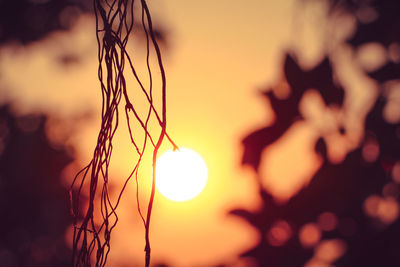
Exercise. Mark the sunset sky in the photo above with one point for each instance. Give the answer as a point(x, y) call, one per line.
point(218, 56)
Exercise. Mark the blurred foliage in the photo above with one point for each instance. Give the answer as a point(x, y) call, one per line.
point(34, 205)
point(31, 20)
point(26, 21)
point(348, 214)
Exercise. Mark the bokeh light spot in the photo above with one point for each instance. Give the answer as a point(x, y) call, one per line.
point(330, 250)
point(370, 151)
point(327, 221)
point(388, 210)
point(279, 233)
point(372, 56)
point(394, 52)
point(371, 205)
point(390, 190)
point(396, 172)
point(309, 235)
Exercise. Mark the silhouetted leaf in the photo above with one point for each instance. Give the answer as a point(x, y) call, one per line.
point(319, 78)
point(286, 110)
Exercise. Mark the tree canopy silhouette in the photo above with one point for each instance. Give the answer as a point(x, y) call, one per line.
point(35, 213)
point(352, 207)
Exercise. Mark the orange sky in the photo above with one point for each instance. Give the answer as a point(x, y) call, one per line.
point(220, 54)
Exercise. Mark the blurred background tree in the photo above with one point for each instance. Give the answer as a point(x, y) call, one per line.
point(26, 21)
point(34, 147)
point(35, 205)
point(35, 213)
point(348, 214)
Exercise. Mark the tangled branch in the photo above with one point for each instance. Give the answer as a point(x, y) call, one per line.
point(114, 25)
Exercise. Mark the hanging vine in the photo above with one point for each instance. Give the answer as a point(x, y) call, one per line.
point(115, 21)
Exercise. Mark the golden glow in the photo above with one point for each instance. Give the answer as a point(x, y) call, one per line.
point(181, 175)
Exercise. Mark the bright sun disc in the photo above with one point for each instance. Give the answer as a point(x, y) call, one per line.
point(181, 174)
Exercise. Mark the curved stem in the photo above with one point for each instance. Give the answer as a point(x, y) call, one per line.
point(162, 134)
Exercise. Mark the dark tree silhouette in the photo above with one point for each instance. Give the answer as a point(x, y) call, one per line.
point(344, 194)
point(31, 20)
point(34, 205)
point(287, 112)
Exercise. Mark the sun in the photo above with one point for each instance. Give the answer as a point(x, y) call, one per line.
point(181, 174)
